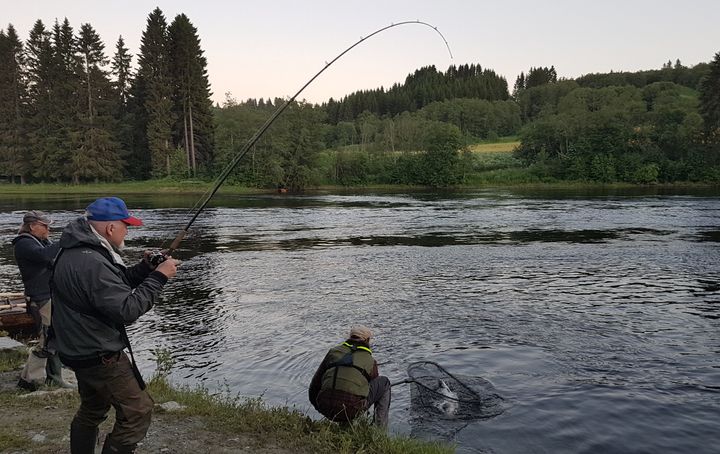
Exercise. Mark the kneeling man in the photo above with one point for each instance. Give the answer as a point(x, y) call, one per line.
point(347, 383)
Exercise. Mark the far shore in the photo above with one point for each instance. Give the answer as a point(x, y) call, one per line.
point(199, 187)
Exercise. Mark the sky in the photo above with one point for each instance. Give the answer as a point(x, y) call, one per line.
point(271, 48)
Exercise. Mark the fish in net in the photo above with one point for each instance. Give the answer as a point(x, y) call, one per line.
point(442, 404)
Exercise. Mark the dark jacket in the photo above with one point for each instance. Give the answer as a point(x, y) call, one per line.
point(33, 257)
point(92, 295)
point(339, 392)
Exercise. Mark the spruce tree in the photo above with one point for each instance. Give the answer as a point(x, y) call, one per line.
point(14, 151)
point(53, 158)
point(192, 107)
point(95, 149)
point(519, 86)
point(153, 103)
point(122, 84)
point(540, 76)
point(710, 97)
point(40, 70)
point(121, 69)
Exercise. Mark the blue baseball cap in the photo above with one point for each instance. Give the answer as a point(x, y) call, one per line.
point(110, 209)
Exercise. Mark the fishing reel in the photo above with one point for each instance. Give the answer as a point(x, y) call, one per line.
point(157, 258)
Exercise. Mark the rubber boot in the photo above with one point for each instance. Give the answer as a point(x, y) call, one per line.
point(112, 447)
point(83, 439)
point(53, 371)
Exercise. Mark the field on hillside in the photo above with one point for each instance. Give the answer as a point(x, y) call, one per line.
point(495, 147)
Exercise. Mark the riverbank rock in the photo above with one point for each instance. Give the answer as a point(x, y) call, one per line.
point(39, 438)
point(7, 343)
point(171, 406)
point(45, 393)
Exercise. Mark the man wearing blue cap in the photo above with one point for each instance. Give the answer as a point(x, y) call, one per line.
point(94, 297)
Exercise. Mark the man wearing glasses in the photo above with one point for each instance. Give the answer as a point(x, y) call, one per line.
point(33, 253)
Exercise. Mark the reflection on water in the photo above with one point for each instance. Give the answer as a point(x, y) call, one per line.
point(594, 316)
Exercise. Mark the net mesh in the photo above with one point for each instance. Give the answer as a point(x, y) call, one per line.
point(441, 403)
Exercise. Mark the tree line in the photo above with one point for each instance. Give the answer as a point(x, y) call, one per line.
point(644, 127)
point(68, 113)
point(424, 86)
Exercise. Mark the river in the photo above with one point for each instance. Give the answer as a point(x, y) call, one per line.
point(594, 315)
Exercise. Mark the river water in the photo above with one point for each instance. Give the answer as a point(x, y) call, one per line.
point(595, 316)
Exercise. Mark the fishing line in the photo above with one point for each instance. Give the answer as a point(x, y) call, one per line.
point(159, 257)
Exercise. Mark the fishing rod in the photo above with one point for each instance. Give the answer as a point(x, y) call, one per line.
point(160, 256)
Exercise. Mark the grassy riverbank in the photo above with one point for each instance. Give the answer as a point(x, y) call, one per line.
point(128, 187)
point(218, 423)
point(505, 178)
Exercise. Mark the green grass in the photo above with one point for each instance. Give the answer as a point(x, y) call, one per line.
point(288, 427)
point(13, 441)
point(129, 187)
point(688, 93)
point(12, 359)
point(505, 147)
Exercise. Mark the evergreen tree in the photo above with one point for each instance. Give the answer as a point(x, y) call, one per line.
point(153, 104)
point(40, 71)
point(519, 86)
point(59, 112)
point(121, 70)
point(424, 86)
point(192, 106)
point(710, 96)
point(95, 150)
point(14, 151)
point(540, 76)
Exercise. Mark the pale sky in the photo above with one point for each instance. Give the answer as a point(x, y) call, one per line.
point(271, 48)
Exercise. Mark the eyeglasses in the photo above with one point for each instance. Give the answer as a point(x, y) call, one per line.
point(47, 226)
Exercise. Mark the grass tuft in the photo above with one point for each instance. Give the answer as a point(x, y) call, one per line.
point(12, 441)
point(12, 359)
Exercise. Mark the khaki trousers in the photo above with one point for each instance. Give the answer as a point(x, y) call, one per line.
point(35, 367)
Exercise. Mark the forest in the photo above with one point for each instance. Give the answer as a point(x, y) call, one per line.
point(71, 112)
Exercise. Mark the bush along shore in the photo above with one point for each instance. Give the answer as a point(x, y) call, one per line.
point(188, 420)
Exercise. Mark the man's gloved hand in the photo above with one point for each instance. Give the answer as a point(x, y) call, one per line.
point(154, 258)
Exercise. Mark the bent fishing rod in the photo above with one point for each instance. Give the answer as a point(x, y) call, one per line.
point(159, 257)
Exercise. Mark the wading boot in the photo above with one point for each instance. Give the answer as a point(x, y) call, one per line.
point(53, 370)
point(112, 447)
point(82, 439)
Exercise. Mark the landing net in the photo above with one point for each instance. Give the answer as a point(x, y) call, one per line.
point(435, 393)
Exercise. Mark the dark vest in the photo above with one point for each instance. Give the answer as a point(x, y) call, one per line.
point(349, 369)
